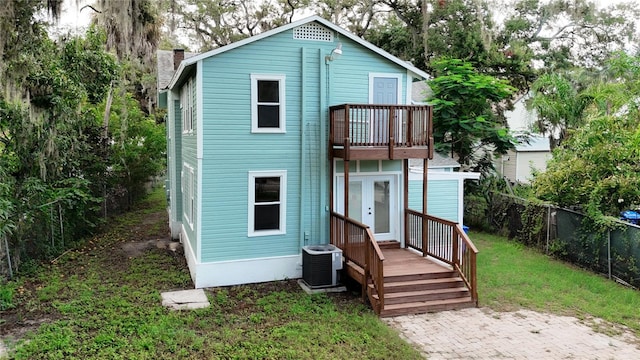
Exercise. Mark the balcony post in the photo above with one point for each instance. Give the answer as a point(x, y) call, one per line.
point(425, 223)
point(409, 127)
point(405, 199)
point(391, 132)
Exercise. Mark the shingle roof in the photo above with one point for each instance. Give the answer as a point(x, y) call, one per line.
point(438, 161)
point(165, 66)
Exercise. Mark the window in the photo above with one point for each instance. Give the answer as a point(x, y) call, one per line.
point(267, 202)
point(268, 103)
point(188, 194)
point(188, 106)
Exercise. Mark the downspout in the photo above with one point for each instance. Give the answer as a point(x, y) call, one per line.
point(324, 96)
point(303, 162)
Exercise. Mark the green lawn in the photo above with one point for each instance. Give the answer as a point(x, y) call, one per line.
point(511, 276)
point(96, 302)
point(99, 303)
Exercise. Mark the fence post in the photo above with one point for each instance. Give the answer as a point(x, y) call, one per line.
point(61, 224)
point(548, 227)
point(609, 251)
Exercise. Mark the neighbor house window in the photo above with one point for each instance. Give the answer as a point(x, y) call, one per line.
point(267, 103)
point(267, 202)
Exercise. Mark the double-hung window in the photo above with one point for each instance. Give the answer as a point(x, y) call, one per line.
point(267, 202)
point(268, 104)
point(188, 106)
point(188, 194)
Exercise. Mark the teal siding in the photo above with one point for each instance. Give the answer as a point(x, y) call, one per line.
point(442, 198)
point(230, 150)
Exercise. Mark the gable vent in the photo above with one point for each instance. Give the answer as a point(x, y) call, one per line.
point(313, 31)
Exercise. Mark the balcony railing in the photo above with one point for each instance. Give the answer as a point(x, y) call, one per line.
point(394, 127)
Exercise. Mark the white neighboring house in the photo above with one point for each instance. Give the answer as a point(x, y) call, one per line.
point(518, 165)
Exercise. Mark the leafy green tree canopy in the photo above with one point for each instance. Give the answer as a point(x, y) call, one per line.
point(597, 168)
point(465, 118)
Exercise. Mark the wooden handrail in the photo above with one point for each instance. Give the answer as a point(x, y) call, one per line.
point(361, 248)
point(447, 242)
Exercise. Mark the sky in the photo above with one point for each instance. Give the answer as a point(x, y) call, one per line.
point(76, 21)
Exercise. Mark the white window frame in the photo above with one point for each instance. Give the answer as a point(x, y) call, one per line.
point(188, 207)
point(254, 103)
point(282, 174)
point(188, 107)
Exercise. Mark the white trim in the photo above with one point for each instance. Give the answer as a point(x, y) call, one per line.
point(461, 201)
point(416, 174)
point(189, 254)
point(282, 107)
point(409, 90)
point(247, 271)
point(396, 76)
point(199, 114)
point(342, 32)
point(198, 210)
point(282, 174)
point(199, 157)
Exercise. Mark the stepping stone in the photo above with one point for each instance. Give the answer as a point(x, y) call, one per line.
point(185, 299)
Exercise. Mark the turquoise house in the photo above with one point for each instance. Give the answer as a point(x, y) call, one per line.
point(262, 134)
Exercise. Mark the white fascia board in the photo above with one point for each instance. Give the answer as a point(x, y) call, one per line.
point(443, 175)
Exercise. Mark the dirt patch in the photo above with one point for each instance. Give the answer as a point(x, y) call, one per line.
point(136, 248)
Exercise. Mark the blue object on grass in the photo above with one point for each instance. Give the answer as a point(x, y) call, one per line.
point(630, 216)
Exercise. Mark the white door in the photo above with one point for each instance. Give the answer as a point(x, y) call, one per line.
point(385, 91)
point(373, 202)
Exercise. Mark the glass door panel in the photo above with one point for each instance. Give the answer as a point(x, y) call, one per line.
point(382, 206)
point(355, 200)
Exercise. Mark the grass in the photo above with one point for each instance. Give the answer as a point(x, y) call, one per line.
point(98, 303)
point(511, 277)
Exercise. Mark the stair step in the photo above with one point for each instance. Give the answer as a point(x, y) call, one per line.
point(424, 295)
point(422, 307)
point(389, 244)
point(423, 284)
point(416, 277)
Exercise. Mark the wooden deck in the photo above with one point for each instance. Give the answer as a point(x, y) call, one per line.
point(414, 284)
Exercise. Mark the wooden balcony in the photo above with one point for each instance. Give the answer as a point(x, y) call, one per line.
point(381, 132)
point(439, 273)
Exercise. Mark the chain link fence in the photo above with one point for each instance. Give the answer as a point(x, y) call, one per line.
point(566, 234)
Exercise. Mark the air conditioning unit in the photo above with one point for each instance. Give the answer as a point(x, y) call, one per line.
point(321, 265)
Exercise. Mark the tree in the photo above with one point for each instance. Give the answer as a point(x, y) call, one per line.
point(566, 34)
point(133, 33)
point(465, 118)
point(559, 103)
point(426, 30)
point(597, 168)
point(211, 24)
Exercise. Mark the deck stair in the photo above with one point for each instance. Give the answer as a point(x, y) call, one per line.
point(415, 285)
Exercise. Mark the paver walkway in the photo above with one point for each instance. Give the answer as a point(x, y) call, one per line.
point(485, 334)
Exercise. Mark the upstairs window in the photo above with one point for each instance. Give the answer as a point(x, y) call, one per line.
point(188, 106)
point(268, 104)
